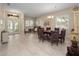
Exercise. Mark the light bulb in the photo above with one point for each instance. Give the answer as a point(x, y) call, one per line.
point(52, 16)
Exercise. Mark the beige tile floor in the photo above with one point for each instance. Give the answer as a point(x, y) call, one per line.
point(29, 45)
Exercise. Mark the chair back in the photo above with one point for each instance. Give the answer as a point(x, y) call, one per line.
point(63, 32)
point(57, 29)
point(56, 35)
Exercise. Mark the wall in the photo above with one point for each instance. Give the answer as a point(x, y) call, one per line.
point(29, 18)
point(3, 15)
point(76, 21)
point(67, 12)
point(20, 19)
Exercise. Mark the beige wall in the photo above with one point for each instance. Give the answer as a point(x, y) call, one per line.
point(76, 26)
point(76, 21)
point(3, 15)
point(28, 18)
point(39, 20)
point(66, 12)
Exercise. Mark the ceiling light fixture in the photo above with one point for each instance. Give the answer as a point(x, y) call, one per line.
point(49, 16)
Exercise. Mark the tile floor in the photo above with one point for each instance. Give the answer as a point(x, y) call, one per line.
point(29, 45)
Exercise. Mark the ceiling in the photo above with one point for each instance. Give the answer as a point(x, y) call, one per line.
point(37, 9)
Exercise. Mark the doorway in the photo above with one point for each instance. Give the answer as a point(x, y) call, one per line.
point(13, 25)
